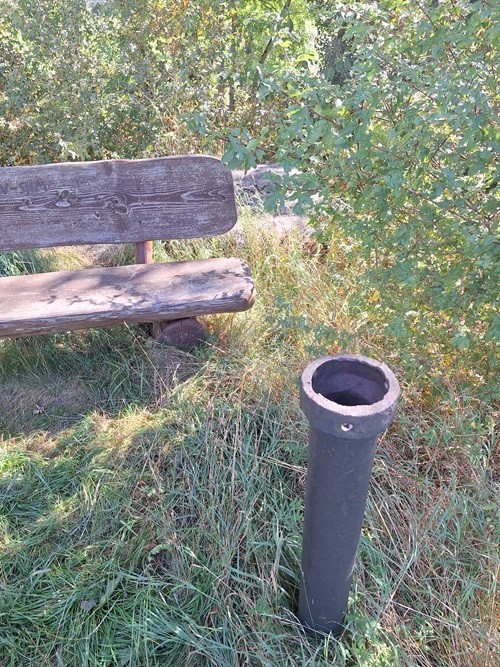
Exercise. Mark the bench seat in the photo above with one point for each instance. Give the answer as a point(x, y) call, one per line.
point(67, 300)
point(120, 201)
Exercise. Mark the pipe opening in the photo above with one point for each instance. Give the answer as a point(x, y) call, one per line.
point(350, 382)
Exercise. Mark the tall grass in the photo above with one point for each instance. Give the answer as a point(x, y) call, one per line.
point(151, 500)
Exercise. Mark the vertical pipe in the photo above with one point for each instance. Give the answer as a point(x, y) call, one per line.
point(348, 400)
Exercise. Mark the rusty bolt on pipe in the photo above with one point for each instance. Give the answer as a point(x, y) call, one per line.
point(348, 400)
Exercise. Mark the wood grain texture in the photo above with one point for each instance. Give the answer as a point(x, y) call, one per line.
point(144, 252)
point(115, 201)
point(66, 300)
point(184, 334)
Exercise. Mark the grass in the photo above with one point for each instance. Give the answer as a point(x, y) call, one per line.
point(151, 500)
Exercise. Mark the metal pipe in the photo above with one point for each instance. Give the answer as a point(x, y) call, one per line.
point(348, 400)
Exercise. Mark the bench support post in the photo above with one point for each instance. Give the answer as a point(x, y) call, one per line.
point(144, 255)
point(184, 333)
point(144, 252)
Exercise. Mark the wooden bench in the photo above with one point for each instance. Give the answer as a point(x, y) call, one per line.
point(120, 201)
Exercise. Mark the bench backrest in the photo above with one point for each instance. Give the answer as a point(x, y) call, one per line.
point(115, 201)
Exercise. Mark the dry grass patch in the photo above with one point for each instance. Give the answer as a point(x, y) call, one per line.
point(42, 405)
point(160, 524)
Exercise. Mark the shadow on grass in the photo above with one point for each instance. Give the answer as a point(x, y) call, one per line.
point(153, 505)
point(48, 383)
point(150, 538)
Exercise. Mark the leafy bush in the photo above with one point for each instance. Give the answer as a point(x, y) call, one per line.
point(89, 80)
point(401, 156)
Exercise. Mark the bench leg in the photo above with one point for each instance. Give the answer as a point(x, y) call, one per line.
point(185, 334)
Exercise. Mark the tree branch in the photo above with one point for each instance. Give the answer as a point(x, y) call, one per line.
point(270, 43)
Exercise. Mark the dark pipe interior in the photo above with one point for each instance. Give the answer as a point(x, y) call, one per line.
point(350, 382)
point(346, 398)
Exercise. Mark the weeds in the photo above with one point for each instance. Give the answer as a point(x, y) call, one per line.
point(151, 500)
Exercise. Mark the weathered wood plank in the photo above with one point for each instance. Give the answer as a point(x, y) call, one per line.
point(66, 300)
point(115, 201)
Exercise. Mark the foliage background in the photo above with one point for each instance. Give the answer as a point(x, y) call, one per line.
point(382, 114)
point(402, 156)
point(112, 450)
